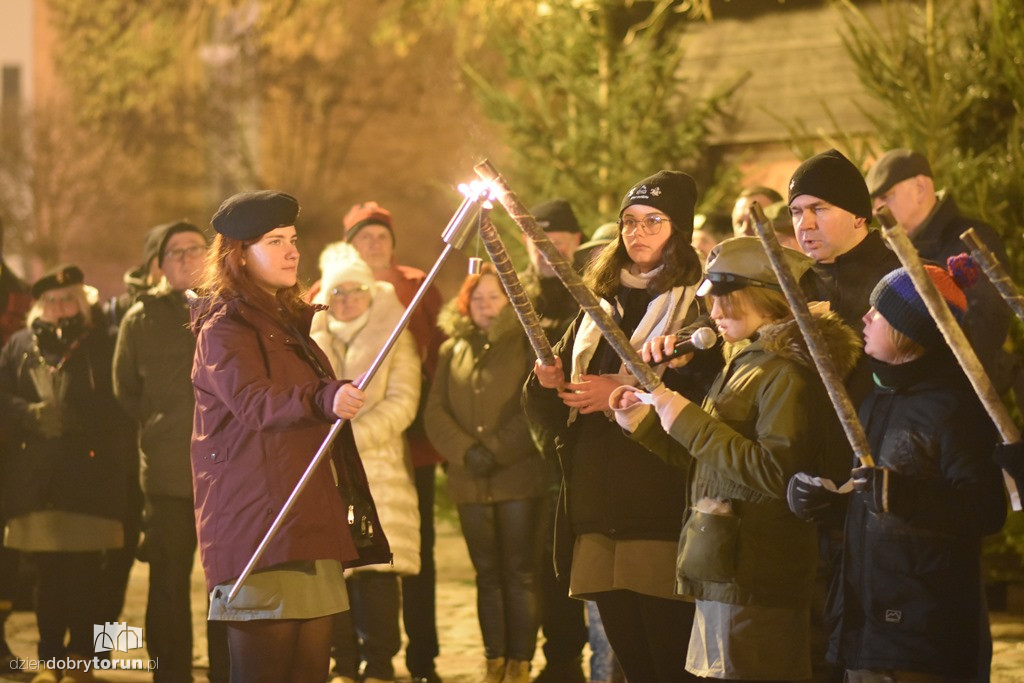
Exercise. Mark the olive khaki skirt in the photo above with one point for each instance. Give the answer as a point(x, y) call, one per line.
point(292, 590)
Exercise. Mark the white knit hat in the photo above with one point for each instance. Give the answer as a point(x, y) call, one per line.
point(340, 262)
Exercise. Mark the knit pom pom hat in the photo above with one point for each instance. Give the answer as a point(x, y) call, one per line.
point(340, 262)
point(899, 302)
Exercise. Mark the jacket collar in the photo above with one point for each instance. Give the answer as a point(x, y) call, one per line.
point(930, 235)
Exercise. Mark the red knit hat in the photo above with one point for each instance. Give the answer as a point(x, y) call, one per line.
point(367, 213)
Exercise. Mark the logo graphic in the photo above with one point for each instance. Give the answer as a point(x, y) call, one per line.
point(116, 637)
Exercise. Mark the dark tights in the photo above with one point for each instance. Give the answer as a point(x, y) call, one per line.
point(280, 650)
point(649, 635)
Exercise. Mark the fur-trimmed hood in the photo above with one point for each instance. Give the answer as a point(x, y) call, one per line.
point(786, 340)
point(455, 324)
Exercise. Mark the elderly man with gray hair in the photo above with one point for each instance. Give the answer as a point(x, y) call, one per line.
point(902, 180)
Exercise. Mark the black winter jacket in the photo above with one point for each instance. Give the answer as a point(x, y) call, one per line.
point(612, 484)
point(910, 592)
point(153, 383)
point(847, 284)
point(85, 469)
point(987, 321)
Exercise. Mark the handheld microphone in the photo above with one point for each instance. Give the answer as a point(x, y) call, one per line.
point(702, 339)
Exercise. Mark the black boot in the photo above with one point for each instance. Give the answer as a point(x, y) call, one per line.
point(562, 671)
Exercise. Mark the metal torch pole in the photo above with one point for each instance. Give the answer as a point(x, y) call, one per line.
point(455, 236)
point(525, 311)
point(995, 272)
point(647, 378)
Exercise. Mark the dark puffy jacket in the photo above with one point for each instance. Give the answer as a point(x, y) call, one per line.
point(85, 469)
point(987, 320)
point(264, 393)
point(910, 596)
point(612, 485)
point(152, 382)
point(847, 284)
point(475, 400)
point(766, 417)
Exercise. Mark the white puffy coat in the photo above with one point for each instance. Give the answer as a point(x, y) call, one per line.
point(392, 398)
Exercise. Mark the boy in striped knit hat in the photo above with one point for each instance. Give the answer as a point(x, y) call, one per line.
point(910, 590)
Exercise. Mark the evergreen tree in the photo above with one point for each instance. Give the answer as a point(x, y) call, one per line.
point(947, 79)
point(589, 96)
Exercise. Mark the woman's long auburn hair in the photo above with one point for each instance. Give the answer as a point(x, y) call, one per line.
point(682, 266)
point(224, 276)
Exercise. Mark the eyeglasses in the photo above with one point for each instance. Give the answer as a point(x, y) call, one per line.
point(650, 224)
point(195, 251)
point(339, 293)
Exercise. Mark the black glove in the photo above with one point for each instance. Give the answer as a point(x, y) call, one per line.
point(43, 418)
point(886, 490)
point(1010, 456)
point(479, 461)
point(810, 500)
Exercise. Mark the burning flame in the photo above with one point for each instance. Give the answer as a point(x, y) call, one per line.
point(481, 191)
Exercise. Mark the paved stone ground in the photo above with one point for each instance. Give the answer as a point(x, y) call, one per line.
point(461, 648)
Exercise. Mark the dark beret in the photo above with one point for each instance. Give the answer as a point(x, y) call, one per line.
point(61, 276)
point(249, 215)
point(895, 166)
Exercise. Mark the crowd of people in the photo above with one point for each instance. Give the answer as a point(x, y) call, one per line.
point(717, 526)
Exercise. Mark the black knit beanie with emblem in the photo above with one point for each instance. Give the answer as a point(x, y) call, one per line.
point(834, 178)
point(249, 215)
point(672, 192)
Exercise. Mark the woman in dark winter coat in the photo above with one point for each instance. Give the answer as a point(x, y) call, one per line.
point(621, 508)
point(910, 600)
point(496, 476)
point(65, 479)
point(745, 558)
point(265, 399)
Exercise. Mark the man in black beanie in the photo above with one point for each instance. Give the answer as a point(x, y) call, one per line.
point(152, 382)
point(555, 306)
point(831, 213)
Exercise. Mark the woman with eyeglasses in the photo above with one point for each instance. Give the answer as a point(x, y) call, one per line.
point(361, 314)
point(621, 507)
point(65, 472)
point(265, 400)
point(496, 476)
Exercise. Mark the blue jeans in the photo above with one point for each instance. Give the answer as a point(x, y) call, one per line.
point(504, 544)
point(602, 658)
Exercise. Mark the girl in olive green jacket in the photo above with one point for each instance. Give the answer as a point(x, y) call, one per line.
point(745, 558)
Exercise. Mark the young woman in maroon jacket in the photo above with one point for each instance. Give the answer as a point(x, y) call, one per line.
point(265, 399)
